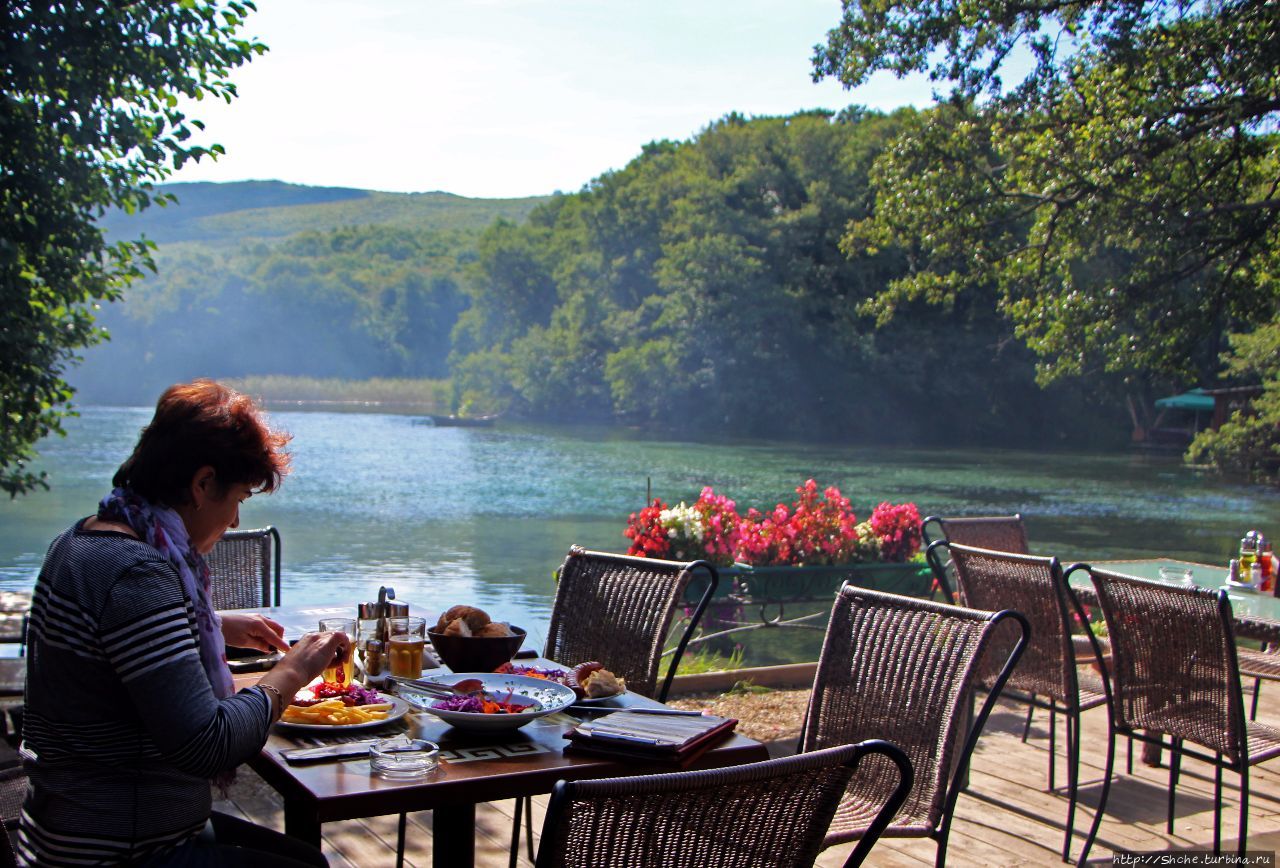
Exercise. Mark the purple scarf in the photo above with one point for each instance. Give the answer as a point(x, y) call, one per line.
point(163, 529)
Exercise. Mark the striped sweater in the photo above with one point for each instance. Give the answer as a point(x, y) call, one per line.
point(122, 731)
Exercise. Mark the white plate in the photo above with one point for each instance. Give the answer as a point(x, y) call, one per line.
point(547, 697)
point(599, 700)
point(398, 710)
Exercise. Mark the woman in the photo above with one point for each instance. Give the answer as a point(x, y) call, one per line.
point(130, 707)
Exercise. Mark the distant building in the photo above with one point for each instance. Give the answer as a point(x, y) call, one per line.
point(1181, 417)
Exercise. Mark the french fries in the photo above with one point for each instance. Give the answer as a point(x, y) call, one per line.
point(332, 712)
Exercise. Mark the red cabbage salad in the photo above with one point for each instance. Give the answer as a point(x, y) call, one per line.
point(477, 705)
point(559, 676)
point(350, 694)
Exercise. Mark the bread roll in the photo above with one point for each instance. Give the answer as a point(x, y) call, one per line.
point(475, 618)
point(495, 629)
point(457, 627)
point(601, 683)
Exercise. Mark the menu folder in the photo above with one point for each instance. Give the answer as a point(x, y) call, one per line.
point(649, 737)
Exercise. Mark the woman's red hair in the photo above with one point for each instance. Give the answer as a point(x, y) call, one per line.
point(200, 424)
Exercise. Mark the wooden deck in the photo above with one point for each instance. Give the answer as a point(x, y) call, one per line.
point(1006, 818)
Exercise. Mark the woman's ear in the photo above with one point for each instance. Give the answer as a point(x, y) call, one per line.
point(204, 486)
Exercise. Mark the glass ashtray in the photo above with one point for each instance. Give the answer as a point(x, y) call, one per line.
point(403, 758)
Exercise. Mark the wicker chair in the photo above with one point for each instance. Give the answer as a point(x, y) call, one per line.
point(13, 791)
point(1173, 672)
point(771, 813)
point(245, 569)
point(618, 609)
point(1001, 533)
point(1260, 666)
point(13, 670)
point(1046, 676)
point(903, 669)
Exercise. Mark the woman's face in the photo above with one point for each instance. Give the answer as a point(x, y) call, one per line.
point(219, 510)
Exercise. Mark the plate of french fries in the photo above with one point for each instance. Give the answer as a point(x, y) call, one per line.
point(333, 714)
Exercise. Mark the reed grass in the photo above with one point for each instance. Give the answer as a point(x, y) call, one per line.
point(699, 660)
point(276, 388)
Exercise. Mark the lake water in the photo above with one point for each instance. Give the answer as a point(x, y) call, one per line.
point(484, 516)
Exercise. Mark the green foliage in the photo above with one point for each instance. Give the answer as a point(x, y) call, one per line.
point(1249, 441)
point(352, 303)
point(747, 688)
point(90, 119)
point(370, 288)
point(426, 394)
point(703, 288)
point(1120, 201)
point(698, 660)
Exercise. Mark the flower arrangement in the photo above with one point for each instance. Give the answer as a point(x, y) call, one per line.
point(710, 529)
point(818, 528)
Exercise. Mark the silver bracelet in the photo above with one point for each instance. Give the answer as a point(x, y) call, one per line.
point(277, 703)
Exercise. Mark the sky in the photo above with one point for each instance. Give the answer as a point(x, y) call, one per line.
point(508, 98)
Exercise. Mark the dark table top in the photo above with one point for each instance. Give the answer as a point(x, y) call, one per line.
point(475, 767)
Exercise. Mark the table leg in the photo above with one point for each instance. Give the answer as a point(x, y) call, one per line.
point(301, 823)
point(1151, 754)
point(453, 836)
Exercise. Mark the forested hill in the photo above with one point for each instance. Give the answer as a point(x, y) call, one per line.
point(219, 214)
point(262, 277)
point(702, 288)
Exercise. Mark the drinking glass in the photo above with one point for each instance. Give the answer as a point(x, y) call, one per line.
point(408, 636)
point(1177, 576)
point(344, 673)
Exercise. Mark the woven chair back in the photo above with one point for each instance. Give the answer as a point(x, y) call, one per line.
point(618, 610)
point(1001, 533)
point(899, 669)
point(244, 569)
point(1033, 586)
point(1173, 663)
point(13, 791)
point(768, 813)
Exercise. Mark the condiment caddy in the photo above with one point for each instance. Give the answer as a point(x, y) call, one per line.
point(374, 634)
point(1255, 569)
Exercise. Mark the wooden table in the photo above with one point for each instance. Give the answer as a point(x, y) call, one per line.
point(475, 768)
point(1257, 615)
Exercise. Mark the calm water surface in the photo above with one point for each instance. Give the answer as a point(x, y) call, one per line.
point(484, 516)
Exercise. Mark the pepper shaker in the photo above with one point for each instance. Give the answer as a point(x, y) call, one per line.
point(374, 663)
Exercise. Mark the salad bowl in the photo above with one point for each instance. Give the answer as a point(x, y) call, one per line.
point(521, 699)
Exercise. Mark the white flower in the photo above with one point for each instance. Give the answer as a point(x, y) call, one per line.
point(682, 522)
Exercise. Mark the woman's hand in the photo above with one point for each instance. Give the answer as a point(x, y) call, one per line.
point(253, 630)
point(312, 653)
point(305, 660)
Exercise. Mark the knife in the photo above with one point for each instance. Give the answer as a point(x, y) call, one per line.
point(341, 750)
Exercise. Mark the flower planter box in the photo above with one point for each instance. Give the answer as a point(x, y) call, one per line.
point(747, 584)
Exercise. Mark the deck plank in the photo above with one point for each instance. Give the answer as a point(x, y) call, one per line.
point(1007, 817)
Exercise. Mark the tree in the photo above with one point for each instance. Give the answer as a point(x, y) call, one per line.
point(1121, 199)
point(702, 289)
point(92, 117)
